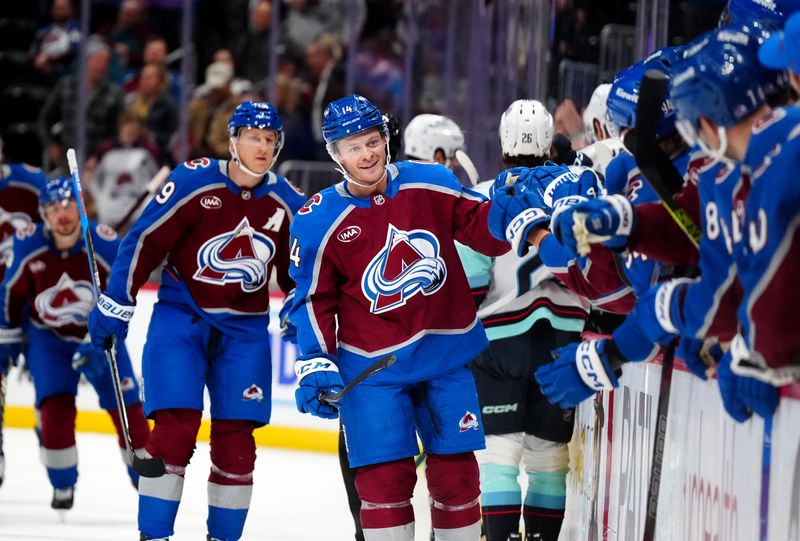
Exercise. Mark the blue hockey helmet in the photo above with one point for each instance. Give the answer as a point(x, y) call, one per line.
point(348, 116)
point(624, 94)
point(722, 80)
point(255, 114)
point(57, 190)
point(747, 11)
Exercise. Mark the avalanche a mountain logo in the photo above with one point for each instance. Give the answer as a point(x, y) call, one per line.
point(239, 256)
point(9, 223)
point(468, 422)
point(67, 302)
point(408, 264)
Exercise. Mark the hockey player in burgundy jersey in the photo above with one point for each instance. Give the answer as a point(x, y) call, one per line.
point(48, 279)
point(377, 272)
point(222, 227)
point(20, 186)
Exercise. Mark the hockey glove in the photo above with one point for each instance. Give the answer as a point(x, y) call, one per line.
point(699, 355)
point(580, 370)
point(109, 318)
point(10, 347)
point(288, 329)
point(91, 362)
point(742, 395)
point(608, 220)
point(316, 375)
point(514, 214)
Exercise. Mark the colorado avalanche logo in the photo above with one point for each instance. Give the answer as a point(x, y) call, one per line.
point(408, 264)
point(9, 223)
point(240, 256)
point(67, 302)
point(468, 422)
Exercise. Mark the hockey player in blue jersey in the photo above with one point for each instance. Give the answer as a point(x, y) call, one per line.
point(45, 298)
point(717, 103)
point(222, 227)
point(526, 313)
point(20, 185)
point(377, 272)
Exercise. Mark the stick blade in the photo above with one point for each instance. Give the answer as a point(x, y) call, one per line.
point(148, 467)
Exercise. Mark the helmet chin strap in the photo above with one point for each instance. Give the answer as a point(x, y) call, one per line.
point(717, 155)
point(242, 166)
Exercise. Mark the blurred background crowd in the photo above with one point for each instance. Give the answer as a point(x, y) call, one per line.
point(161, 77)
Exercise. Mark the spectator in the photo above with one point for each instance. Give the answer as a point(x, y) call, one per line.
point(326, 77)
point(103, 109)
point(56, 44)
point(306, 20)
point(128, 35)
point(239, 85)
point(152, 105)
point(253, 49)
point(155, 52)
point(210, 97)
point(121, 169)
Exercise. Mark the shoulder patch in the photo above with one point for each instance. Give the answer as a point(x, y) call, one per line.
point(27, 231)
point(105, 232)
point(197, 163)
point(316, 199)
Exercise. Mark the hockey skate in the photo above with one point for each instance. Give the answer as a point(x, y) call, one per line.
point(63, 498)
point(143, 537)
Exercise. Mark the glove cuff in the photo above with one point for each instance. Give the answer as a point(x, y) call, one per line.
point(592, 369)
point(110, 308)
point(664, 300)
point(316, 363)
point(751, 364)
point(518, 227)
point(11, 335)
point(624, 210)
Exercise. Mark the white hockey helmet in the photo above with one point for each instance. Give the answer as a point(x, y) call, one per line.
point(426, 133)
point(597, 110)
point(526, 129)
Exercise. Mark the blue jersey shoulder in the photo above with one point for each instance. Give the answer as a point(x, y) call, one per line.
point(288, 192)
point(426, 172)
point(617, 172)
point(777, 127)
point(320, 211)
point(23, 173)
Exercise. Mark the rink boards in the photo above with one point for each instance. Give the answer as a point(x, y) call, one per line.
point(720, 480)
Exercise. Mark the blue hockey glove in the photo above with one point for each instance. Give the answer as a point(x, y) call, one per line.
point(608, 220)
point(109, 318)
point(288, 329)
point(90, 361)
point(10, 347)
point(315, 375)
point(515, 177)
point(514, 214)
point(699, 355)
point(742, 395)
point(580, 370)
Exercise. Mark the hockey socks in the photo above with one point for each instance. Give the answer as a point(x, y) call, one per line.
point(501, 500)
point(544, 504)
point(58, 452)
point(159, 498)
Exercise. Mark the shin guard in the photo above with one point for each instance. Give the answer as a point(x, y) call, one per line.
point(385, 490)
point(454, 487)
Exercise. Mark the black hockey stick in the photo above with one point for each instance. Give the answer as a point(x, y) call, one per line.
point(655, 165)
point(659, 443)
point(331, 399)
point(146, 467)
point(153, 185)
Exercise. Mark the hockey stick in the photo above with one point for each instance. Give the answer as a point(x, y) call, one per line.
point(3, 387)
point(655, 165)
point(468, 167)
point(659, 443)
point(329, 398)
point(153, 185)
point(146, 467)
